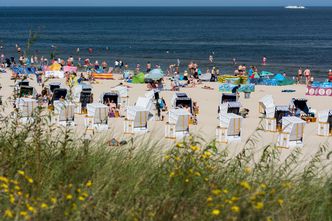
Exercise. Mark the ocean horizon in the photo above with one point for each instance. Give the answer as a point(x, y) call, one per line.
point(288, 38)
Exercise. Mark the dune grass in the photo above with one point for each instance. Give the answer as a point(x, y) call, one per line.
point(50, 174)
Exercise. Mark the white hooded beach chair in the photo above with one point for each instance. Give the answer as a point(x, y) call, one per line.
point(97, 117)
point(122, 91)
point(136, 120)
point(292, 132)
point(26, 108)
point(229, 129)
point(65, 112)
point(325, 123)
point(267, 107)
point(177, 126)
point(144, 102)
point(230, 107)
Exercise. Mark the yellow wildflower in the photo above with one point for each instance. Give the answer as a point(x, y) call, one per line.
point(287, 185)
point(179, 145)
point(225, 191)
point(259, 206)
point(53, 200)
point(17, 187)
point(167, 157)
point(11, 199)
point(21, 172)
point(85, 194)
point(172, 174)
point(44, 206)
point(4, 186)
point(247, 170)
point(187, 180)
point(215, 212)
point(235, 209)
point(177, 158)
point(235, 199)
point(263, 186)
point(8, 213)
point(3, 179)
point(23, 213)
point(29, 179)
point(216, 192)
point(81, 198)
point(89, 183)
point(30, 208)
point(197, 174)
point(69, 197)
point(195, 148)
point(14, 182)
point(207, 154)
point(268, 218)
point(245, 185)
point(19, 193)
point(209, 199)
point(280, 201)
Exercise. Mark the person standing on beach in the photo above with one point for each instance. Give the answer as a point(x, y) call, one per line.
point(234, 61)
point(264, 60)
point(307, 75)
point(299, 75)
point(329, 75)
point(148, 67)
point(211, 58)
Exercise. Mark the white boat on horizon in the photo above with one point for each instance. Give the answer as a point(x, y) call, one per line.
point(295, 7)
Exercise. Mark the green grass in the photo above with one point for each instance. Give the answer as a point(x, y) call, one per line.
point(53, 175)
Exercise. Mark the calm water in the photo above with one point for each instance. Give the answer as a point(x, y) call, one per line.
point(289, 38)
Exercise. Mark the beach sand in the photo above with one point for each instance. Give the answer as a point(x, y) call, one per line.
point(208, 101)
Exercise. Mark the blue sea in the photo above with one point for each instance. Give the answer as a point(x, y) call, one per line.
point(161, 35)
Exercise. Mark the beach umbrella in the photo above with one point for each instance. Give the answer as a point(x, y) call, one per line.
point(155, 74)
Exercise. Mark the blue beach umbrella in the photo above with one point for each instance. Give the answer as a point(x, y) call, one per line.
point(155, 74)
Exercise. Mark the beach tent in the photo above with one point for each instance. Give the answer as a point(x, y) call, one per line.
point(282, 80)
point(266, 74)
point(138, 78)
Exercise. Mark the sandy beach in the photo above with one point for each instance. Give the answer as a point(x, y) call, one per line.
point(208, 101)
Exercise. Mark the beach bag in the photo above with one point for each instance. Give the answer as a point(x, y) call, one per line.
point(161, 103)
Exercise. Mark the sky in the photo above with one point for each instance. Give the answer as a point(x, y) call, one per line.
point(164, 2)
